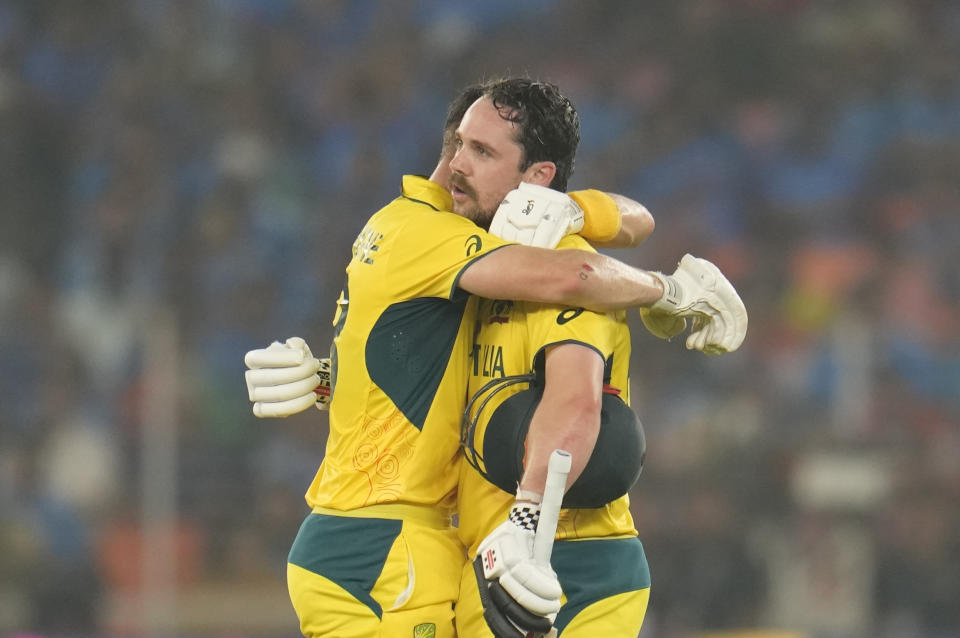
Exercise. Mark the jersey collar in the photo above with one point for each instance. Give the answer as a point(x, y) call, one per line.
point(421, 189)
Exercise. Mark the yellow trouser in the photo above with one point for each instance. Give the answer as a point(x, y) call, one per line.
point(363, 577)
point(606, 585)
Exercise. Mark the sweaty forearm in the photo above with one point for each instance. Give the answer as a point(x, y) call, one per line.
point(576, 278)
point(602, 283)
point(559, 428)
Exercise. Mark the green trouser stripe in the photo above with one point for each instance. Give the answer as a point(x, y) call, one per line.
point(351, 552)
point(592, 570)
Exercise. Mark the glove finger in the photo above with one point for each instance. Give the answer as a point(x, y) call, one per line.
point(285, 391)
point(543, 600)
point(493, 615)
point(707, 343)
point(283, 408)
point(539, 580)
point(736, 315)
point(281, 357)
point(516, 613)
point(698, 336)
point(704, 338)
point(547, 235)
point(714, 350)
point(724, 333)
point(507, 232)
point(711, 333)
point(729, 304)
point(526, 222)
point(278, 376)
point(542, 233)
point(298, 343)
point(717, 342)
point(719, 332)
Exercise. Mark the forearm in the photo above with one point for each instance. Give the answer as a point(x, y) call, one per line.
point(568, 415)
point(566, 427)
point(636, 224)
point(604, 283)
point(576, 278)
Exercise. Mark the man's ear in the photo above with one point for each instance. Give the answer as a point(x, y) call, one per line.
point(540, 173)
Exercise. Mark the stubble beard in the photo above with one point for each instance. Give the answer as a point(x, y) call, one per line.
point(471, 208)
point(478, 215)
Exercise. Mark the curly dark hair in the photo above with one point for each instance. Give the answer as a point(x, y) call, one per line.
point(547, 122)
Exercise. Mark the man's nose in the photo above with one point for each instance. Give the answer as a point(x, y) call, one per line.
point(457, 162)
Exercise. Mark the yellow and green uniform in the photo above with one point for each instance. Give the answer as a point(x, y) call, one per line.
point(597, 556)
point(378, 556)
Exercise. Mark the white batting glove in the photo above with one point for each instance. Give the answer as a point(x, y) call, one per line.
point(284, 379)
point(698, 290)
point(506, 556)
point(536, 216)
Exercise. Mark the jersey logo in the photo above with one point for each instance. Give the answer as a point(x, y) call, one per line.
point(425, 630)
point(473, 244)
point(366, 245)
point(568, 315)
point(500, 311)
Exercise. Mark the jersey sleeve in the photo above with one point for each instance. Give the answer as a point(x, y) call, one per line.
point(432, 251)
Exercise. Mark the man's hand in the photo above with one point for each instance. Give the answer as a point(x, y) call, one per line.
point(519, 595)
point(698, 290)
point(285, 378)
point(536, 216)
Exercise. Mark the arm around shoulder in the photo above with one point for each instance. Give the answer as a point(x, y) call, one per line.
point(565, 277)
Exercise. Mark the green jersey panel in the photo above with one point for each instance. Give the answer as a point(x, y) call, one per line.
point(402, 335)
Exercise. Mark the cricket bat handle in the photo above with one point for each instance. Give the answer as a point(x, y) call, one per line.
point(557, 469)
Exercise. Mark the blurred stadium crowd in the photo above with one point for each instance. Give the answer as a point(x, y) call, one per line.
point(203, 167)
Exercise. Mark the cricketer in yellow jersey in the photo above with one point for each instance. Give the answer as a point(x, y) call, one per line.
point(367, 560)
point(383, 496)
point(377, 555)
point(578, 355)
point(379, 532)
point(385, 490)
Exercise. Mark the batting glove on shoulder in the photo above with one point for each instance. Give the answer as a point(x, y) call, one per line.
point(536, 216)
point(699, 291)
point(519, 595)
point(285, 378)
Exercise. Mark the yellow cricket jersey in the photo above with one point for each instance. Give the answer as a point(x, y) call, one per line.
point(400, 356)
point(508, 337)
